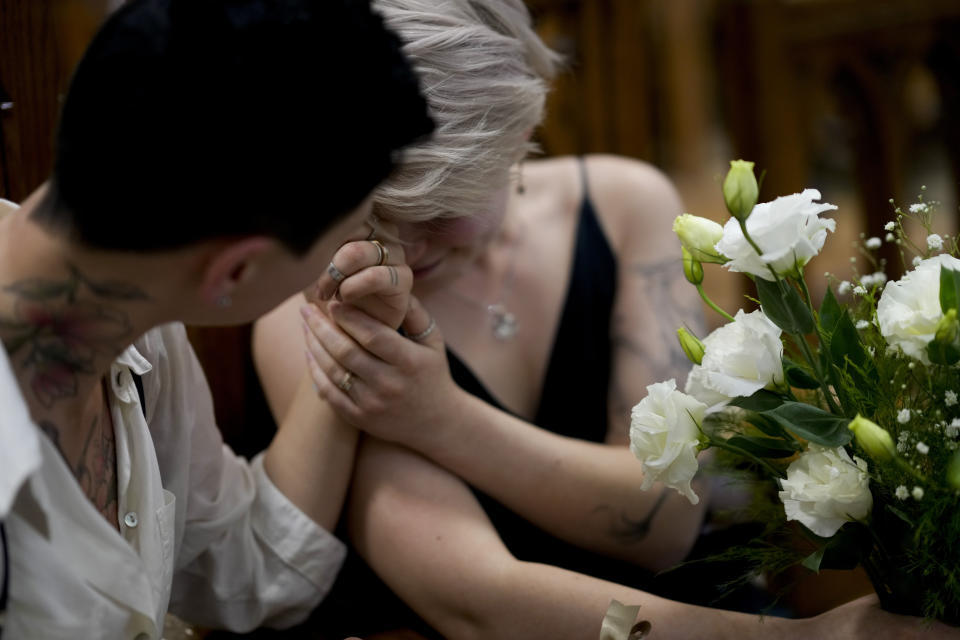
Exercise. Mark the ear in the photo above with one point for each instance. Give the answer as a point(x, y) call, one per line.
point(230, 264)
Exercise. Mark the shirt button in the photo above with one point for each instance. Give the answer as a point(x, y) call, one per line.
point(131, 519)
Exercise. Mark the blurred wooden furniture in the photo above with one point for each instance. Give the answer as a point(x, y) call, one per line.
point(41, 42)
point(783, 60)
point(635, 79)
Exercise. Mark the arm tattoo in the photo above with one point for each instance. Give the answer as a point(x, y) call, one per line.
point(667, 291)
point(62, 326)
point(626, 530)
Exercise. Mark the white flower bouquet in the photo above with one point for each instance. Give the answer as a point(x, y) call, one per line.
point(848, 410)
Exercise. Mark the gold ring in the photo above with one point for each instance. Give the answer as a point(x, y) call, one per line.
point(382, 252)
point(347, 382)
point(335, 273)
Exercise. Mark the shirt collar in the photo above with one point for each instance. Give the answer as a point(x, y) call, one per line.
point(134, 360)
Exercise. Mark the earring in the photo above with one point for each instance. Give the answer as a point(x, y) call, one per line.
point(224, 301)
point(520, 188)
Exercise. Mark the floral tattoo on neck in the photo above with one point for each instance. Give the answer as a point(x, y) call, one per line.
point(62, 326)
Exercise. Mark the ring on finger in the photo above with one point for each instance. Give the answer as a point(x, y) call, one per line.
point(426, 332)
point(346, 383)
point(383, 254)
point(335, 273)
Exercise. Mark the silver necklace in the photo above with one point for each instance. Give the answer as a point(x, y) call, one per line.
point(503, 322)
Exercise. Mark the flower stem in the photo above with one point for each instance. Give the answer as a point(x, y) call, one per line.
point(824, 377)
point(722, 444)
point(824, 386)
point(712, 304)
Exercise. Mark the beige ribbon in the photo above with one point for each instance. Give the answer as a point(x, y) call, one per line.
point(618, 624)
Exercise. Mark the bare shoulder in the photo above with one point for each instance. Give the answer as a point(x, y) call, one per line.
point(635, 201)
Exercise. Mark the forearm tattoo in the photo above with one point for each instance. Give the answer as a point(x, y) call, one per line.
point(59, 327)
point(627, 530)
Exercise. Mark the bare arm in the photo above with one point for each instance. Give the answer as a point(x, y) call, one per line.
point(424, 534)
point(311, 458)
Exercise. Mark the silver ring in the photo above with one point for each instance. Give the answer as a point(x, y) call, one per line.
point(426, 332)
point(346, 383)
point(383, 254)
point(335, 273)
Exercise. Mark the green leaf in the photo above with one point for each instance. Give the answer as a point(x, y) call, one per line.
point(784, 306)
point(813, 560)
point(949, 289)
point(811, 423)
point(845, 343)
point(830, 312)
point(762, 400)
point(763, 447)
point(903, 516)
point(798, 376)
point(766, 425)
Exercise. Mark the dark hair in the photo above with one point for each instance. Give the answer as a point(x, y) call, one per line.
point(194, 119)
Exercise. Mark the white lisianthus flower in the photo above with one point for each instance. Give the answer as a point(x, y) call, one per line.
point(664, 436)
point(824, 488)
point(909, 309)
point(739, 358)
point(788, 230)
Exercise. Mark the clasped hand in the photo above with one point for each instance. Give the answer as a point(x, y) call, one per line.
point(374, 377)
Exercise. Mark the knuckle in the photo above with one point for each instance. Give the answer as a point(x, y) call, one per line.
point(352, 254)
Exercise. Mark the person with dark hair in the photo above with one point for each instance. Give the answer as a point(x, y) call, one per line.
point(195, 182)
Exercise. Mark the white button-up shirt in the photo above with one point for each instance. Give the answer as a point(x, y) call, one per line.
point(200, 529)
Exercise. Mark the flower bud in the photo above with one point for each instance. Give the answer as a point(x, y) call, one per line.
point(873, 438)
point(698, 236)
point(692, 269)
point(945, 347)
point(690, 345)
point(740, 189)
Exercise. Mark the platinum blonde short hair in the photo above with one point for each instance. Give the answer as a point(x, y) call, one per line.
point(485, 74)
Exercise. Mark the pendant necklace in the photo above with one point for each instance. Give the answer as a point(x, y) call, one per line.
point(503, 322)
